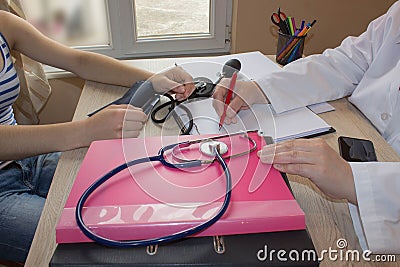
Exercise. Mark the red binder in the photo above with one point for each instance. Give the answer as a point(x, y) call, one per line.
point(151, 200)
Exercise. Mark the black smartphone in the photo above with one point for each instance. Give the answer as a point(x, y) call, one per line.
point(356, 150)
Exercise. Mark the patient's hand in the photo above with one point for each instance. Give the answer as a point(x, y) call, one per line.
point(114, 122)
point(176, 80)
point(246, 93)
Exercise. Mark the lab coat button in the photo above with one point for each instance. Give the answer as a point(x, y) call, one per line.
point(384, 116)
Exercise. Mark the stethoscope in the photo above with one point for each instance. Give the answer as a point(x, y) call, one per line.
point(204, 88)
point(208, 146)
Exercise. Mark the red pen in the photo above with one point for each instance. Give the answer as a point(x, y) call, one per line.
point(228, 98)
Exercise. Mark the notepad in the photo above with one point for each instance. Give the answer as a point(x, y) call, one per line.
point(296, 123)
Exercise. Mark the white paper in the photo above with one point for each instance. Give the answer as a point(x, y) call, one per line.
point(288, 125)
point(321, 107)
point(254, 65)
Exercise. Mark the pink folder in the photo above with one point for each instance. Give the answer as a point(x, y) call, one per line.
point(151, 200)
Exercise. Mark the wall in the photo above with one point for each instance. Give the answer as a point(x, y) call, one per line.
point(253, 30)
point(63, 100)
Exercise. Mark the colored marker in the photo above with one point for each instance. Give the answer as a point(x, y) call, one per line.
point(295, 41)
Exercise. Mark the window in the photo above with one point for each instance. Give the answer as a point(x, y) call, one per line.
point(174, 18)
point(135, 28)
point(73, 22)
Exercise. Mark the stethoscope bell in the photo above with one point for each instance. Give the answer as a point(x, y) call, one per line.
point(207, 148)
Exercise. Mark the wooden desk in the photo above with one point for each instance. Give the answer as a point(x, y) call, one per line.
point(327, 220)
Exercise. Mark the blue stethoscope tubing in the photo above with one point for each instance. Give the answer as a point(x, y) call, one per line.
point(155, 241)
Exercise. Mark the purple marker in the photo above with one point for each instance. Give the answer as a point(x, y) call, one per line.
point(294, 24)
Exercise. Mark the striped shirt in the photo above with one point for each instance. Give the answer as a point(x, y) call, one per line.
point(9, 88)
point(9, 85)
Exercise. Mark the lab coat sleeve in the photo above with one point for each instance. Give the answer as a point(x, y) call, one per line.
point(376, 219)
point(328, 76)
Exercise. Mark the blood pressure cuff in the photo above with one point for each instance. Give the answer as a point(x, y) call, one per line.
point(141, 94)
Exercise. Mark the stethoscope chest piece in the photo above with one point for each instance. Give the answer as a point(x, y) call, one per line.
point(207, 147)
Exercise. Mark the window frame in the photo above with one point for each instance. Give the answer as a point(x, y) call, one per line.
point(124, 45)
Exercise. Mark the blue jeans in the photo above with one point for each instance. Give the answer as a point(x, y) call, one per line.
point(24, 185)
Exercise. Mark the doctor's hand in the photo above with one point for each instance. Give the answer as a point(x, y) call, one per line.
point(176, 80)
point(113, 122)
point(316, 160)
point(246, 93)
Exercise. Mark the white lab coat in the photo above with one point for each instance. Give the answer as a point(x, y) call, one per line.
point(367, 68)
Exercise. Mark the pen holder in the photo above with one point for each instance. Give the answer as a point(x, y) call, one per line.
point(289, 48)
